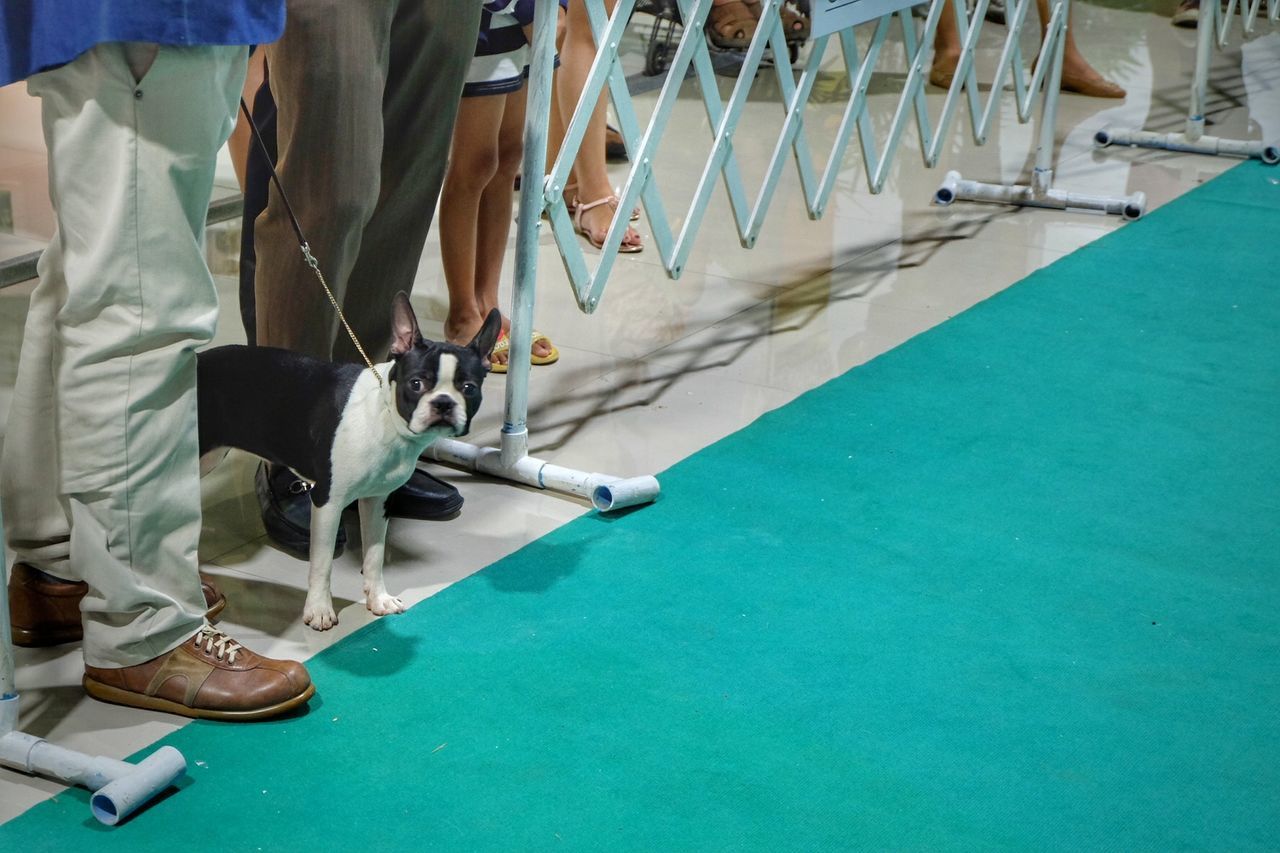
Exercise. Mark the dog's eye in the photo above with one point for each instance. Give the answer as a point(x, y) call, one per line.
point(415, 385)
point(470, 389)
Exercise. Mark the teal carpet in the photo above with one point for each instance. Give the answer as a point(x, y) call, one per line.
point(1013, 585)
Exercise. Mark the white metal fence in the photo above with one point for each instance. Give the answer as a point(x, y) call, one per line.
point(511, 459)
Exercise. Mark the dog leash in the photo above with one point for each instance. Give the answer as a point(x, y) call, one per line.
point(302, 240)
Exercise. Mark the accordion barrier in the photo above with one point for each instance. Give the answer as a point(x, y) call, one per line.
point(1214, 26)
point(511, 459)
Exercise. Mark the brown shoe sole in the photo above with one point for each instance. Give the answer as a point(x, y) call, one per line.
point(34, 638)
point(116, 696)
point(215, 611)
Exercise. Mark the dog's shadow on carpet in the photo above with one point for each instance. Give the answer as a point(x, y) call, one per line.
point(536, 567)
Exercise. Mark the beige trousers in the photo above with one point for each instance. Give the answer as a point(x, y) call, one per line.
point(99, 477)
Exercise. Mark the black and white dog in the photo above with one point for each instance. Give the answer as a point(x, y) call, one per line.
point(336, 426)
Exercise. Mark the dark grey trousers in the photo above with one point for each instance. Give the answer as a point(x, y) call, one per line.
point(366, 93)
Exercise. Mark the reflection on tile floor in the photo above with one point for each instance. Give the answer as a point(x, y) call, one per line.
point(667, 367)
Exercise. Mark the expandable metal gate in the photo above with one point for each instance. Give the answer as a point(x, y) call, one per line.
point(511, 459)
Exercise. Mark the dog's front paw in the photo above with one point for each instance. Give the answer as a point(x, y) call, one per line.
point(384, 604)
point(320, 615)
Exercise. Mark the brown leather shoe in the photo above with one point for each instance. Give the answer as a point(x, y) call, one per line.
point(210, 677)
point(45, 610)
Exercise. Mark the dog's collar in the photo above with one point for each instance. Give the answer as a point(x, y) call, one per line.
point(388, 394)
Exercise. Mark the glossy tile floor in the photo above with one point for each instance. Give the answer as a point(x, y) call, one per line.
point(666, 367)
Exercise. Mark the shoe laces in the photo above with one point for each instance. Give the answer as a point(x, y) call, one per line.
point(217, 644)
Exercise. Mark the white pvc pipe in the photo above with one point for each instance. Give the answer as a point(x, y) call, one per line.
point(529, 215)
point(124, 795)
point(31, 754)
point(119, 787)
point(1182, 142)
point(956, 188)
point(7, 682)
point(606, 493)
point(619, 494)
point(1208, 23)
point(8, 714)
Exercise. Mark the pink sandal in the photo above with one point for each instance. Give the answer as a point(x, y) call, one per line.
point(580, 208)
point(572, 206)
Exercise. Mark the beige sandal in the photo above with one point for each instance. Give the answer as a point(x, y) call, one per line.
point(580, 208)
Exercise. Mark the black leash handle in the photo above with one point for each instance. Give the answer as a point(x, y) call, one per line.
point(275, 178)
point(302, 240)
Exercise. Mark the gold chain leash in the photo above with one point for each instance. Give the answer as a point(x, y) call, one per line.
point(315, 267)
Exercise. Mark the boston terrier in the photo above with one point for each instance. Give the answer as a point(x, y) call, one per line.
point(337, 427)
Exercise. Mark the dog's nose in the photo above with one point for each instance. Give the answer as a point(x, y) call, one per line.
point(443, 405)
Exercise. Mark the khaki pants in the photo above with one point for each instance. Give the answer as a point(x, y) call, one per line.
point(367, 92)
point(100, 477)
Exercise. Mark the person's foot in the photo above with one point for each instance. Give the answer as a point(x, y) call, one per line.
point(45, 610)
point(943, 70)
point(795, 23)
point(542, 351)
point(1078, 77)
point(730, 24)
point(1081, 78)
point(593, 220)
point(210, 677)
point(285, 501)
point(462, 330)
point(1187, 14)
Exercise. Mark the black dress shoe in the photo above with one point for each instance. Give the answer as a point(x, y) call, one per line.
point(424, 497)
point(286, 510)
point(615, 149)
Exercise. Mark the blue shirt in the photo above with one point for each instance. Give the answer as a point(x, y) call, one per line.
point(36, 35)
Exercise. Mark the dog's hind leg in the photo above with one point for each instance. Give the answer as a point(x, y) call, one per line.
point(373, 533)
point(319, 612)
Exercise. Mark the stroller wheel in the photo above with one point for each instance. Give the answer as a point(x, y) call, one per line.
point(656, 58)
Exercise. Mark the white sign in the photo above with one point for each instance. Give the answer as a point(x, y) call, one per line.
point(832, 16)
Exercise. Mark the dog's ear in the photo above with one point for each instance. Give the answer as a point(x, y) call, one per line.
point(484, 340)
point(404, 326)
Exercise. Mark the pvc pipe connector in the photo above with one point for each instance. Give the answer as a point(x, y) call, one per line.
point(606, 493)
point(1130, 206)
point(620, 494)
point(946, 193)
point(1135, 206)
point(117, 800)
point(1190, 144)
point(120, 788)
